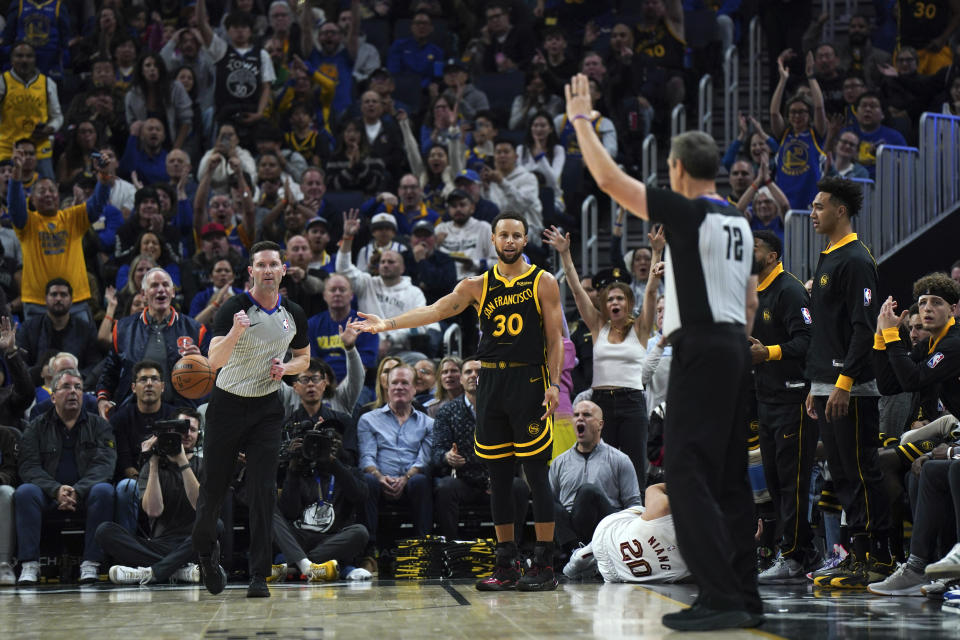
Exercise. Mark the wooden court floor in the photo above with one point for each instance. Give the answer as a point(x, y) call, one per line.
point(441, 609)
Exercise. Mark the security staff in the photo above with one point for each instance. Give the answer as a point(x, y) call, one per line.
point(788, 439)
point(710, 300)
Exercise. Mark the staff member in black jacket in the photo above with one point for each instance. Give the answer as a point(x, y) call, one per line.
point(843, 391)
point(788, 439)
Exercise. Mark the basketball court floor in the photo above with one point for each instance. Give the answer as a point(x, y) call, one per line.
point(427, 610)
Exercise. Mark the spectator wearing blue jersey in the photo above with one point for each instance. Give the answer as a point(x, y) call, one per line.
point(800, 157)
point(872, 132)
point(334, 56)
point(416, 54)
point(325, 329)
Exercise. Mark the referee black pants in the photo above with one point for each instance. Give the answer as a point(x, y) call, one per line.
point(850, 444)
point(705, 456)
point(251, 425)
point(788, 442)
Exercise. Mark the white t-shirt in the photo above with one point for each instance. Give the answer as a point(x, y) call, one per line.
point(630, 549)
point(472, 240)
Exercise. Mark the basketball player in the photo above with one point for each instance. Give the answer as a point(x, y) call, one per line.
point(520, 319)
point(252, 332)
point(638, 544)
point(710, 301)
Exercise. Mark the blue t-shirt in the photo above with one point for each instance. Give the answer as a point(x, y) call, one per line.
point(775, 225)
point(867, 153)
point(407, 56)
point(325, 343)
point(339, 67)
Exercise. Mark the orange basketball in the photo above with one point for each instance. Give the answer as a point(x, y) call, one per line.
point(192, 376)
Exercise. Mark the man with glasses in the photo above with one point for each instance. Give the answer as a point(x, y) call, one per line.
point(67, 458)
point(871, 132)
point(131, 424)
point(334, 57)
point(843, 160)
point(417, 54)
point(507, 47)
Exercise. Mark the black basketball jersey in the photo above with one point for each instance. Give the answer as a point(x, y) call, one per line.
point(511, 321)
point(238, 79)
point(660, 46)
point(921, 21)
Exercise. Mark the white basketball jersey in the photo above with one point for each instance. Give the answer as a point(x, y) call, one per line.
point(631, 549)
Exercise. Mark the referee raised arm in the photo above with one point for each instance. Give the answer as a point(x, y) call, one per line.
point(252, 332)
point(710, 300)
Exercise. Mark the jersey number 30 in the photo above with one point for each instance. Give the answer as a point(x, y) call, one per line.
point(734, 243)
point(512, 325)
point(632, 556)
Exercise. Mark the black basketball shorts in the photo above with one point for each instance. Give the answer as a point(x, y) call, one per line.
point(509, 406)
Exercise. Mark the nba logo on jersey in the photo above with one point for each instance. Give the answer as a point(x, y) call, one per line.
point(935, 360)
point(806, 315)
point(286, 325)
point(867, 297)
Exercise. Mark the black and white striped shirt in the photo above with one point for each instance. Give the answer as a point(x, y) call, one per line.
point(270, 334)
point(709, 260)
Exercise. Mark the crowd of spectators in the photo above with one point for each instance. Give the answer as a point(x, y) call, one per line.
point(144, 147)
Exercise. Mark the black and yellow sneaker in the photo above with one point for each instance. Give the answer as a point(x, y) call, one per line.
point(878, 570)
point(855, 577)
point(828, 571)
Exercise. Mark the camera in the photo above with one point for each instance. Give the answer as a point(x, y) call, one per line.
point(169, 437)
point(318, 445)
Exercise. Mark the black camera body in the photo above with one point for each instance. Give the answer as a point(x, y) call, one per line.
point(318, 444)
point(169, 435)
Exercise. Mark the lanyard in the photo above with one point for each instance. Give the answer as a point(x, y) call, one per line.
point(333, 481)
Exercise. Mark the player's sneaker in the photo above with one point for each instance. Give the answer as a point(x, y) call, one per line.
point(502, 579)
point(830, 568)
point(951, 601)
point(189, 573)
point(948, 566)
point(539, 577)
point(902, 582)
point(29, 574)
point(832, 561)
point(326, 572)
point(278, 573)
point(877, 570)
point(582, 564)
point(89, 572)
point(849, 574)
point(120, 574)
point(935, 590)
point(782, 569)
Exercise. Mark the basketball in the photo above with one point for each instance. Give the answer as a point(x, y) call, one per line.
point(192, 376)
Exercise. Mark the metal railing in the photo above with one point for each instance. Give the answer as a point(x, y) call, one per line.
point(731, 94)
point(801, 246)
point(453, 341)
point(896, 209)
point(754, 72)
point(648, 160)
point(939, 163)
point(678, 120)
point(705, 105)
point(590, 243)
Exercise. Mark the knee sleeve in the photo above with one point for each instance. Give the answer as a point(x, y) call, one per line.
point(538, 479)
point(501, 490)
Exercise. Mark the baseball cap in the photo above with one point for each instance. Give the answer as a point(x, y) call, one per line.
point(457, 194)
point(606, 277)
point(317, 220)
point(382, 72)
point(468, 174)
point(382, 220)
point(454, 64)
point(423, 225)
point(212, 228)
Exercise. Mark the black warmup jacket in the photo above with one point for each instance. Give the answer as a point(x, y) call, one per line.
point(783, 324)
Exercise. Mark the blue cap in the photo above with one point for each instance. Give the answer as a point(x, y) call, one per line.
point(469, 174)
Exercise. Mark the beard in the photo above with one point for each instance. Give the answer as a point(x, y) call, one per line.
point(505, 260)
point(858, 39)
point(58, 311)
point(757, 266)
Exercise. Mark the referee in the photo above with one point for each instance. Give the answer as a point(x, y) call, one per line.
point(251, 334)
point(710, 300)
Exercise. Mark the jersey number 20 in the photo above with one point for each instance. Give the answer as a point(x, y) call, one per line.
point(512, 325)
point(632, 556)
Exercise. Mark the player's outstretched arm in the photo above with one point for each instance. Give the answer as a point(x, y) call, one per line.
point(629, 192)
point(466, 293)
point(548, 293)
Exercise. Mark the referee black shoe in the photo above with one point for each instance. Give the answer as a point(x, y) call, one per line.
point(258, 587)
point(700, 618)
point(214, 576)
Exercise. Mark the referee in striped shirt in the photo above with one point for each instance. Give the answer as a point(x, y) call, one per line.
point(252, 332)
point(710, 298)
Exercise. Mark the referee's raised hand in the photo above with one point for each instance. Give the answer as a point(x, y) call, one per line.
point(240, 322)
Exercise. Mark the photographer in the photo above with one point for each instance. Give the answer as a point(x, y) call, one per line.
point(317, 507)
point(169, 488)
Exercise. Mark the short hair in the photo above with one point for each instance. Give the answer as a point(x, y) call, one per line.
point(190, 412)
point(143, 282)
point(937, 284)
point(825, 44)
point(314, 169)
point(263, 245)
point(59, 282)
point(238, 19)
point(145, 193)
point(843, 193)
point(218, 261)
point(321, 366)
point(402, 365)
point(499, 140)
point(503, 5)
point(770, 239)
point(698, 153)
point(57, 355)
point(553, 32)
point(914, 310)
point(509, 215)
point(869, 94)
point(955, 265)
point(58, 376)
point(486, 114)
point(23, 43)
point(146, 364)
point(23, 141)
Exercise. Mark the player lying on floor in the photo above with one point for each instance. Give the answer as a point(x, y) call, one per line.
point(638, 544)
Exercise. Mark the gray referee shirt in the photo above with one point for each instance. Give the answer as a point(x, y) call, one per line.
point(270, 334)
point(708, 262)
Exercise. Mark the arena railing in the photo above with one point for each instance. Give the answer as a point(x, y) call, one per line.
point(589, 245)
point(896, 211)
point(678, 120)
point(754, 71)
point(453, 341)
point(939, 170)
point(731, 94)
point(801, 246)
point(705, 105)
